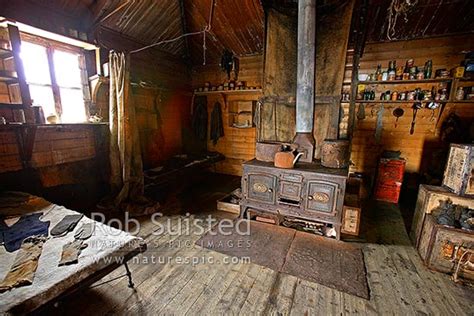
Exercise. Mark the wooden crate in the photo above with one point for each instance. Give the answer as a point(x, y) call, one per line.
point(225, 205)
point(459, 172)
point(351, 215)
point(429, 198)
point(441, 247)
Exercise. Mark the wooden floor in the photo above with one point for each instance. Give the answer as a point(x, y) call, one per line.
point(398, 281)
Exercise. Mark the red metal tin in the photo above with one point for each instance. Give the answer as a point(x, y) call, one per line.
point(389, 180)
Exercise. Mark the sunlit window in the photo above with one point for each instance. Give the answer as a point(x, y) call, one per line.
point(68, 77)
point(67, 86)
point(35, 62)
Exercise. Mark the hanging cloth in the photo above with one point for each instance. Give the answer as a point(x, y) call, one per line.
point(200, 117)
point(217, 125)
point(126, 166)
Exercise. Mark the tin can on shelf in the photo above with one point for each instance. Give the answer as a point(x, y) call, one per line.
point(392, 75)
point(394, 96)
point(399, 73)
point(444, 94)
point(457, 72)
point(19, 116)
point(460, 94)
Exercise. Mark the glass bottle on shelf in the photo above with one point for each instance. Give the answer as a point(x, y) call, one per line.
point(392, 70)
point(428, 69)
point(378, 73)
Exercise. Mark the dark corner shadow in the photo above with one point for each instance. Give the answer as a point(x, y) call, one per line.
point(382, 223)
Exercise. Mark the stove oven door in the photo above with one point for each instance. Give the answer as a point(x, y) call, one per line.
point(261, 187)
point(321, 196)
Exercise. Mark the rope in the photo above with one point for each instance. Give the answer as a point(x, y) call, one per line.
point(205, 30)
point(458, 265)
point(397, 8)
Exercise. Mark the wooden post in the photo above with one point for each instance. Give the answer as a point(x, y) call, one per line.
point(360, 35)
point(54, 83)
point(15, 40)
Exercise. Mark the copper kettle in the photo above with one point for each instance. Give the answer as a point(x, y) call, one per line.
point(286, 157)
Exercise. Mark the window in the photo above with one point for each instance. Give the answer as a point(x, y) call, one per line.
point(55, 78)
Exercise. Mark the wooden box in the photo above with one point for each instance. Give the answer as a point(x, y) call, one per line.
point(351, 214)
point(442, 247)
point(225, 205)
point(459, 172)
point(389, 180)
point(429, 198)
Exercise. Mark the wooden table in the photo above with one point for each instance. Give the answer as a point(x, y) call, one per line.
point(108, 249)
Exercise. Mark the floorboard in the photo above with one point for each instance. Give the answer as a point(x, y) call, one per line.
point(399, 282)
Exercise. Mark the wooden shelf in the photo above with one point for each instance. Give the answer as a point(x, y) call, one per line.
point(241, 113)
point(398, 101)
point(13, 105)
point(5, 53)
point(8, 79)
point(404, 101)
point(230, 92)
point(13, 126)
point(465, 79)
point(243, 127)
point(462, 101)
point(407, 81)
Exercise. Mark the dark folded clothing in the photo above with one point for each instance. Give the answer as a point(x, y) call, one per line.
point(28, 225)
point(67, 224)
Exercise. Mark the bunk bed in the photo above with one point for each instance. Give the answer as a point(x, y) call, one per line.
point(107, 249)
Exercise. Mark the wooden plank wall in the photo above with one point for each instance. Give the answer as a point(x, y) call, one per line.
point(162, 112)
point(446, 52)
point(68, 164)
point(237, 145)
point(161, 115)
point(53, 145)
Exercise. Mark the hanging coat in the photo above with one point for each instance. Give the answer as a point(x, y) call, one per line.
point(200, 117)
point(217, 125)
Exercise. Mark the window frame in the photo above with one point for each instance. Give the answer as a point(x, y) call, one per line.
point(51, 46)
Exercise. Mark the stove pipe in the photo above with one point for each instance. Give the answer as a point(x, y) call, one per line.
point(305, 79)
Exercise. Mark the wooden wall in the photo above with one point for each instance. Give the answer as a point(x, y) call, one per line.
point(68, 163)
point(163, 107)
point(237, 145)
point(162, 116)
point(446, 52)
point(52, 146)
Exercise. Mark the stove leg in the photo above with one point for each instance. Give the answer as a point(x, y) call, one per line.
point(129, 275)
point(242, 212)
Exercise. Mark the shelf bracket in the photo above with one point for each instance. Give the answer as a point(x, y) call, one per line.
point(25, 137)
